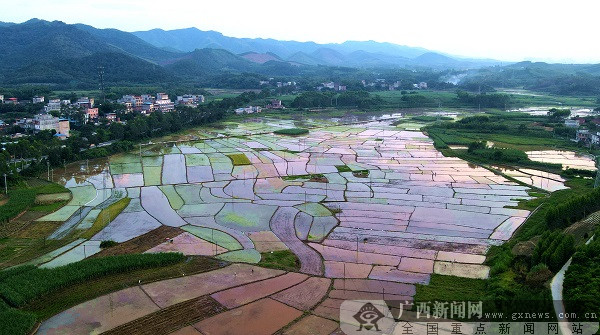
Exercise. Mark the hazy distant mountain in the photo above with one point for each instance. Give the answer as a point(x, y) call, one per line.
point(130, 43)
point(351, 53)
point(39, 51)
point(260, 58)
point(207, 60)
point(303, 58)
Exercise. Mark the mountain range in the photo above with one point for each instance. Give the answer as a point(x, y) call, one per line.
point(38, 51)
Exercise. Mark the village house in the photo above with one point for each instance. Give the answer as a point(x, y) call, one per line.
point(85, 102)
point(111, 117)
point(190, 100)
point(572, 123)
point(587, 137)
point(248, 110)
point(163, 103)
point(275, 104)
point(52, 105)
point(43, 122)
point(38, 100)
point(91, 114)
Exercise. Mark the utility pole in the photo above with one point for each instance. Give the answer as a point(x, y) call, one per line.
point(597, 182)
point(5, 185)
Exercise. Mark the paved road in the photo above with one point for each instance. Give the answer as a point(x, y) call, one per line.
point(557, 294)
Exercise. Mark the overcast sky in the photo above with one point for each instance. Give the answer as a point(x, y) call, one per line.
point(511, 30)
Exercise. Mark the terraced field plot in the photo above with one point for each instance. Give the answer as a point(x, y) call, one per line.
point(375, 208)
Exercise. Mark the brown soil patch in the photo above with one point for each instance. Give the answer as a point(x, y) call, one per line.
point(42, 199)
point(35, 229)
point(265, 316)
point(318, 179)
point(142, 243)
point(16, 224)
point(525, 248)
point(171, 318)
point(584, 229)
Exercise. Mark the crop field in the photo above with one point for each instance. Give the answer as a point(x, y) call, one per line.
point(361, 208)
point(297, 224)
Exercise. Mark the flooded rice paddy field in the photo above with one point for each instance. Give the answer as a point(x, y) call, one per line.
point(366, 207)
point(568, 159)
point(412, 198)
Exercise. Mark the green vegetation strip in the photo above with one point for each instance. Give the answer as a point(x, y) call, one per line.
point(314, 176)
point(239, 159)
point(214, 236)
point(51, 188)
point(281, 260)
point(20, 321)
point(582, 280)
point(291, 131)
point(16, 322)
point(105, 217)
point(18, 201)
point(573, 210)
point(450, 288)
point(26, 283)
point(61, 299)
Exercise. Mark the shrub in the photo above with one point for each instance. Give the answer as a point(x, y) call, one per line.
point(538, 274)
point(107, 244)
point(291, 131)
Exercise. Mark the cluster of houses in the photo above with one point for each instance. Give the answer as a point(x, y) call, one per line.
point(274, 104)
point(584, 135)
point(144, 104)
point(381, 83)
point(332, 86)
point(147, 103)
point(42, 122)
point(278, 84)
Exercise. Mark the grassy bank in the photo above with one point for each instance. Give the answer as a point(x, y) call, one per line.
point(105, 217)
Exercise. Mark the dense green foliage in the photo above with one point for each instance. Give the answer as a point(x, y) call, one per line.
point(19, 288)
point(573, 210)
point(494, 100)
point(16, 322)
point(291, 131)
point(18, 201)
point(451, 288)
point(582, 280)
point(280, 259)
point(497, 155)
point(554, 249)
point(564, 79)
point(358, 99)
point(107, 244)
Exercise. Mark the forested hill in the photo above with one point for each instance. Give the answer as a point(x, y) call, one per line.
point(69, 56)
